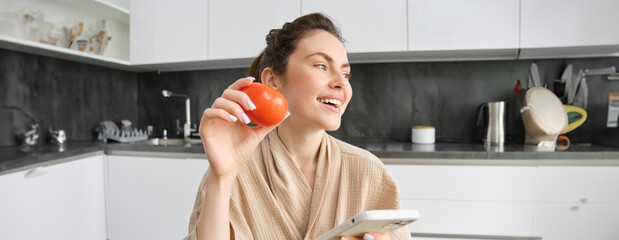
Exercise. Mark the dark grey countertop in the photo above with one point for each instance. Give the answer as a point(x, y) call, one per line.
point(13, 158)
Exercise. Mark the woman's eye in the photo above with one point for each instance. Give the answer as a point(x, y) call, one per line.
point(321, 66)
point(347, 75)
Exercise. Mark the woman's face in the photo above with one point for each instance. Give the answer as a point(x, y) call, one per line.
point(316, 82)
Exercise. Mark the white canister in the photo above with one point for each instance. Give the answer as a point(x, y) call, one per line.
point(423, 134)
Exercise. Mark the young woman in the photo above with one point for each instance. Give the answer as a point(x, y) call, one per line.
point(293, 181)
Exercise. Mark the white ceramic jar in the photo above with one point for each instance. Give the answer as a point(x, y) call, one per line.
point(423, 134)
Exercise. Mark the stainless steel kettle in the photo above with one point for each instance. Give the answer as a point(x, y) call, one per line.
point(491, 117)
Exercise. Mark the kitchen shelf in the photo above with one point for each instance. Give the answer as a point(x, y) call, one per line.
point(21, 45)
point(101, 7)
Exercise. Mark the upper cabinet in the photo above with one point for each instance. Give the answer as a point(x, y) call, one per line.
point(367, 25)
point(446, 25)
point(168, 31)
point(237, 28)
point(212, 34)
point(572, 28)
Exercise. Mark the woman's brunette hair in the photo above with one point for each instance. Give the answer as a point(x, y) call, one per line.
point(282, 42)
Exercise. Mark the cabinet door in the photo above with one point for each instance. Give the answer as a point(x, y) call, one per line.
point(237, 29)
point(24, 209)
point(499, 218)
point(487, 183)
point(148, 197)
point(64, 201)
point(367, 26)
point(463, 25)
point(168, 31)
point(473, 200)
point(564, 221)
point(77, 200)
point(572, 28)
point(569, 23)
point(577, 202)
point(196, 169)
point(574, 184)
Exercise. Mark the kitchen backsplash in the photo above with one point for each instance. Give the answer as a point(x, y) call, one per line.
point(388, 97)
point(62, 94)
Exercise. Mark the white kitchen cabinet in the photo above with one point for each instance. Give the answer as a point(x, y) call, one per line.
point(444, 25)
point(368, 26)
point(472, 200)
point(237, 29)
point(64, 201)
point(572, 28)
point(459, 217)
point(492, 183)
point(151, 198)
point(168, 31)
point(571, 221)
point(577, 202)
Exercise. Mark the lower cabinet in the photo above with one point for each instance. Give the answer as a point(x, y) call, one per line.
point(577, 202)
point(63, 201)
point(151, 198)
point(466, 201)
point(508, 202)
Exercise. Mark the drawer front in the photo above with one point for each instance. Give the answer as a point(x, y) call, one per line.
point(473, 217)
point(488, 183)
point(563, 221)
point(578, 184)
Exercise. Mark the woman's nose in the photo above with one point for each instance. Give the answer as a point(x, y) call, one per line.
point(338, 81)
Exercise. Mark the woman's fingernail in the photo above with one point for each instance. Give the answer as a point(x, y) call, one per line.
point(232, 117)
point(251, 78)
point(343, 238)
point(368, 237)
point(251, 105)
point(245, 118)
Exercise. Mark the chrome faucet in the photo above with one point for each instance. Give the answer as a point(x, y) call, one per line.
point(29, 138)
point(187, 129)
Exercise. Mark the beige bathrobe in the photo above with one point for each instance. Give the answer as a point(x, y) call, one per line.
point(271, 198)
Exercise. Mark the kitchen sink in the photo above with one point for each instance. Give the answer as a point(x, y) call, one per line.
point(170, 142)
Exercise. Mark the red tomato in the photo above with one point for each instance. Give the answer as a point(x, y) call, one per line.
point(271, 106)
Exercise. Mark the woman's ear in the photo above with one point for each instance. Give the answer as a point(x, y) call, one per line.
point(269, 78)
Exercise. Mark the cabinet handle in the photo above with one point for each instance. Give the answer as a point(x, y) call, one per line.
point(575, 208)
point(35, 172)
point(584, 200)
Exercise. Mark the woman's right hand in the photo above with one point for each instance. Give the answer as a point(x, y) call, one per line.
point(228, 141)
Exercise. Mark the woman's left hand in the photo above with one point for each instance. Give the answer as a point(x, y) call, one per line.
point(369, 236)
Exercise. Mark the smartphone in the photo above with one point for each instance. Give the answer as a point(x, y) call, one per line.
point(372, 221)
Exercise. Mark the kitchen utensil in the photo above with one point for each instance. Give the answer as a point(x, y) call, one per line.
point(573, 86)
point(576, 116)
point(601, 71)
point(566, 81)
point(492, 118)
point(543, 116)
point(535, 75)
point(582, 94)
